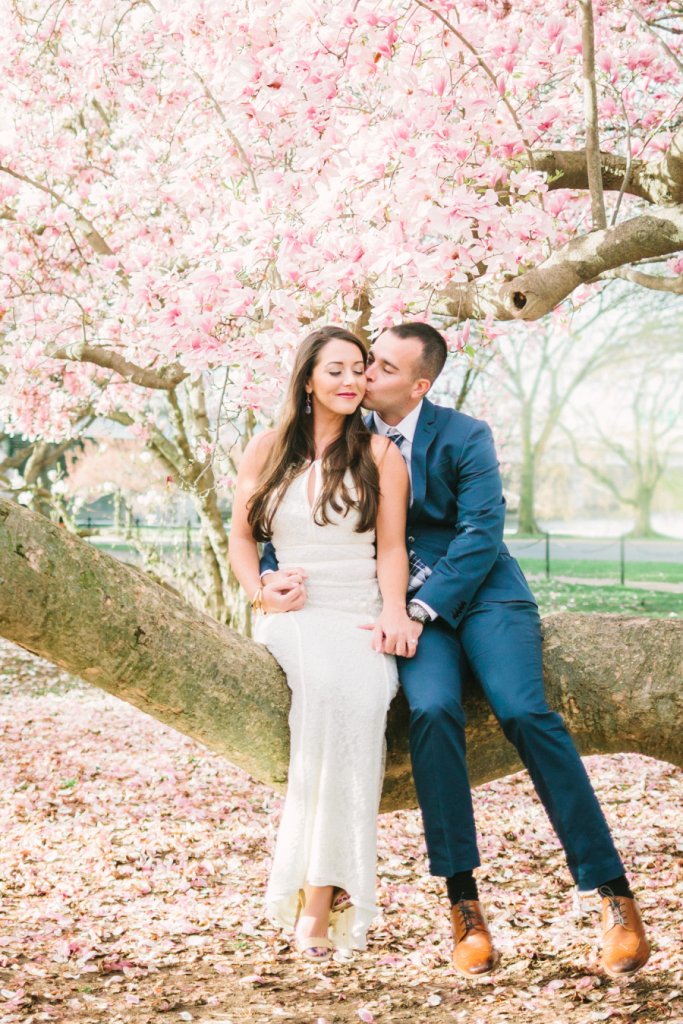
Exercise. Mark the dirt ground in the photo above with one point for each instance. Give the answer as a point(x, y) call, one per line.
point(133, 863)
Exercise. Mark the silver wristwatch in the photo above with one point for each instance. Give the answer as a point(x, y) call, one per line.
point(417, 612)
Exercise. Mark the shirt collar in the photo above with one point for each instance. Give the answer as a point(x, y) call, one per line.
point(407, 426)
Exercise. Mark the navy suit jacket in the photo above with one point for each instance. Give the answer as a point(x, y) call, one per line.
point(455, 521)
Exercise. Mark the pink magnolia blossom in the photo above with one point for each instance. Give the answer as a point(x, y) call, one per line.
point(194, 184)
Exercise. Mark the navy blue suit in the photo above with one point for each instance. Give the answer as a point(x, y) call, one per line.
point(487, 625)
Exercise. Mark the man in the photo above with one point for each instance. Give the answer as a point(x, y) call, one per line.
point(479, 616)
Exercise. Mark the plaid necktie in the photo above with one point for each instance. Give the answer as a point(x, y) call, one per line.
point(397, 437)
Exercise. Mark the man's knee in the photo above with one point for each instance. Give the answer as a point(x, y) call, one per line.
point(523, 721)
point(436, 711)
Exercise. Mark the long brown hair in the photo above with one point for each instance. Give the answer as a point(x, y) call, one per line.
point(294, 448)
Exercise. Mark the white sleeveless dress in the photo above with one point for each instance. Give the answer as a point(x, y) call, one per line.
point(341, 691)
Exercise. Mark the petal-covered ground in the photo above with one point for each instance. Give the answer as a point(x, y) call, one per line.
point(133, 863)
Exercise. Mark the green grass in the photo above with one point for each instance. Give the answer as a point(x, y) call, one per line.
point(553, 596)
point(653, 572)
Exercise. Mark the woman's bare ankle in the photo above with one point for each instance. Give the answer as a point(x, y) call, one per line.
point(315, 915)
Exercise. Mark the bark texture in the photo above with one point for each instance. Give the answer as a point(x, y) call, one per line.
point(657, 232)
point(615, 679)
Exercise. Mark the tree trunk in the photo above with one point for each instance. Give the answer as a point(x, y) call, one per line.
point(642, 506)
point(526, 521)
point(616, 680)
point(224, 599)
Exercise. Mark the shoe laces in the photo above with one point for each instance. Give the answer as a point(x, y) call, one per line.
point(615, 906)
point(470, 919)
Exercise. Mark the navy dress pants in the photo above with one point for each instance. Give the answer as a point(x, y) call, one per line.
point(500, 644)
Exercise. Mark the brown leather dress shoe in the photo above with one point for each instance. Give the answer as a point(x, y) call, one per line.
point(473, 954)
point(624, 944)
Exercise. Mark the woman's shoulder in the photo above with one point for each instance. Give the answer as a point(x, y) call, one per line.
point(264, 438)
point(386, 453)
point(259, 446)
point(379, 445)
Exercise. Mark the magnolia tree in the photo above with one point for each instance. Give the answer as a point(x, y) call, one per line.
point(186, 187)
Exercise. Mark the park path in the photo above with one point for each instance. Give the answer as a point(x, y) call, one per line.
point(594, 581)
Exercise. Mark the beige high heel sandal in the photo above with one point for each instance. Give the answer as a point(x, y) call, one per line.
point(316, 948)
point(341, 900)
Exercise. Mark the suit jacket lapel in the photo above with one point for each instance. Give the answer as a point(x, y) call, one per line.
point(425, 433)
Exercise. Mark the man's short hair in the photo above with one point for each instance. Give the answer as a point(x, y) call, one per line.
point(434, 347)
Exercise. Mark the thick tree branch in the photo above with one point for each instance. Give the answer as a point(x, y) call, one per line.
point(591, 113)
point(615, 679)
point(657, 232)
point(672, 166)
point(659, 182)
point(162, 380)
point(569, 169)
point(43, 457)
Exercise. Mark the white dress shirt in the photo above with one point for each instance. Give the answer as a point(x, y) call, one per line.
point(407, 427)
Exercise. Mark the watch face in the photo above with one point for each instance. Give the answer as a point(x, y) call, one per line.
point(417, 613)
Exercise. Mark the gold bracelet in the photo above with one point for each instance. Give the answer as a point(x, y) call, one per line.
point(257, 600)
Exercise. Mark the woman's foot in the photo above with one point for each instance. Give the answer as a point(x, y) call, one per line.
point(341, 900)
point(317, 948)
point(312, 922)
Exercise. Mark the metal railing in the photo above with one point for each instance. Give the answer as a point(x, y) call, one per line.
point(552, 547)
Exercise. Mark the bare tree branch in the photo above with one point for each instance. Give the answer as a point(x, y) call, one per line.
point(14, 461)
point(95, 239)
point(596, 471)
point(487, 71)
point(660, 42)
point(629, 160)
point(591, 113)
point(181, 434)
point(658, 284)
point(235, 141)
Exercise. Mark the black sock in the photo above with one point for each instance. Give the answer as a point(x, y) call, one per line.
point(462, 886)
point(617, 886)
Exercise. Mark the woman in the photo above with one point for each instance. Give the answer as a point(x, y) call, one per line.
point(326, 491)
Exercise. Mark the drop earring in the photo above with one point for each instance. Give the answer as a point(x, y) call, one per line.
point(307, 406)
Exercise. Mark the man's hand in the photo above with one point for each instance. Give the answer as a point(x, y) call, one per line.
point(282, 577)
point(284, 591)
point(395, 633)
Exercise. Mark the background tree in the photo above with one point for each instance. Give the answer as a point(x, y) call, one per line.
point(540, 372)
point(29, 471)
point(632, 446)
